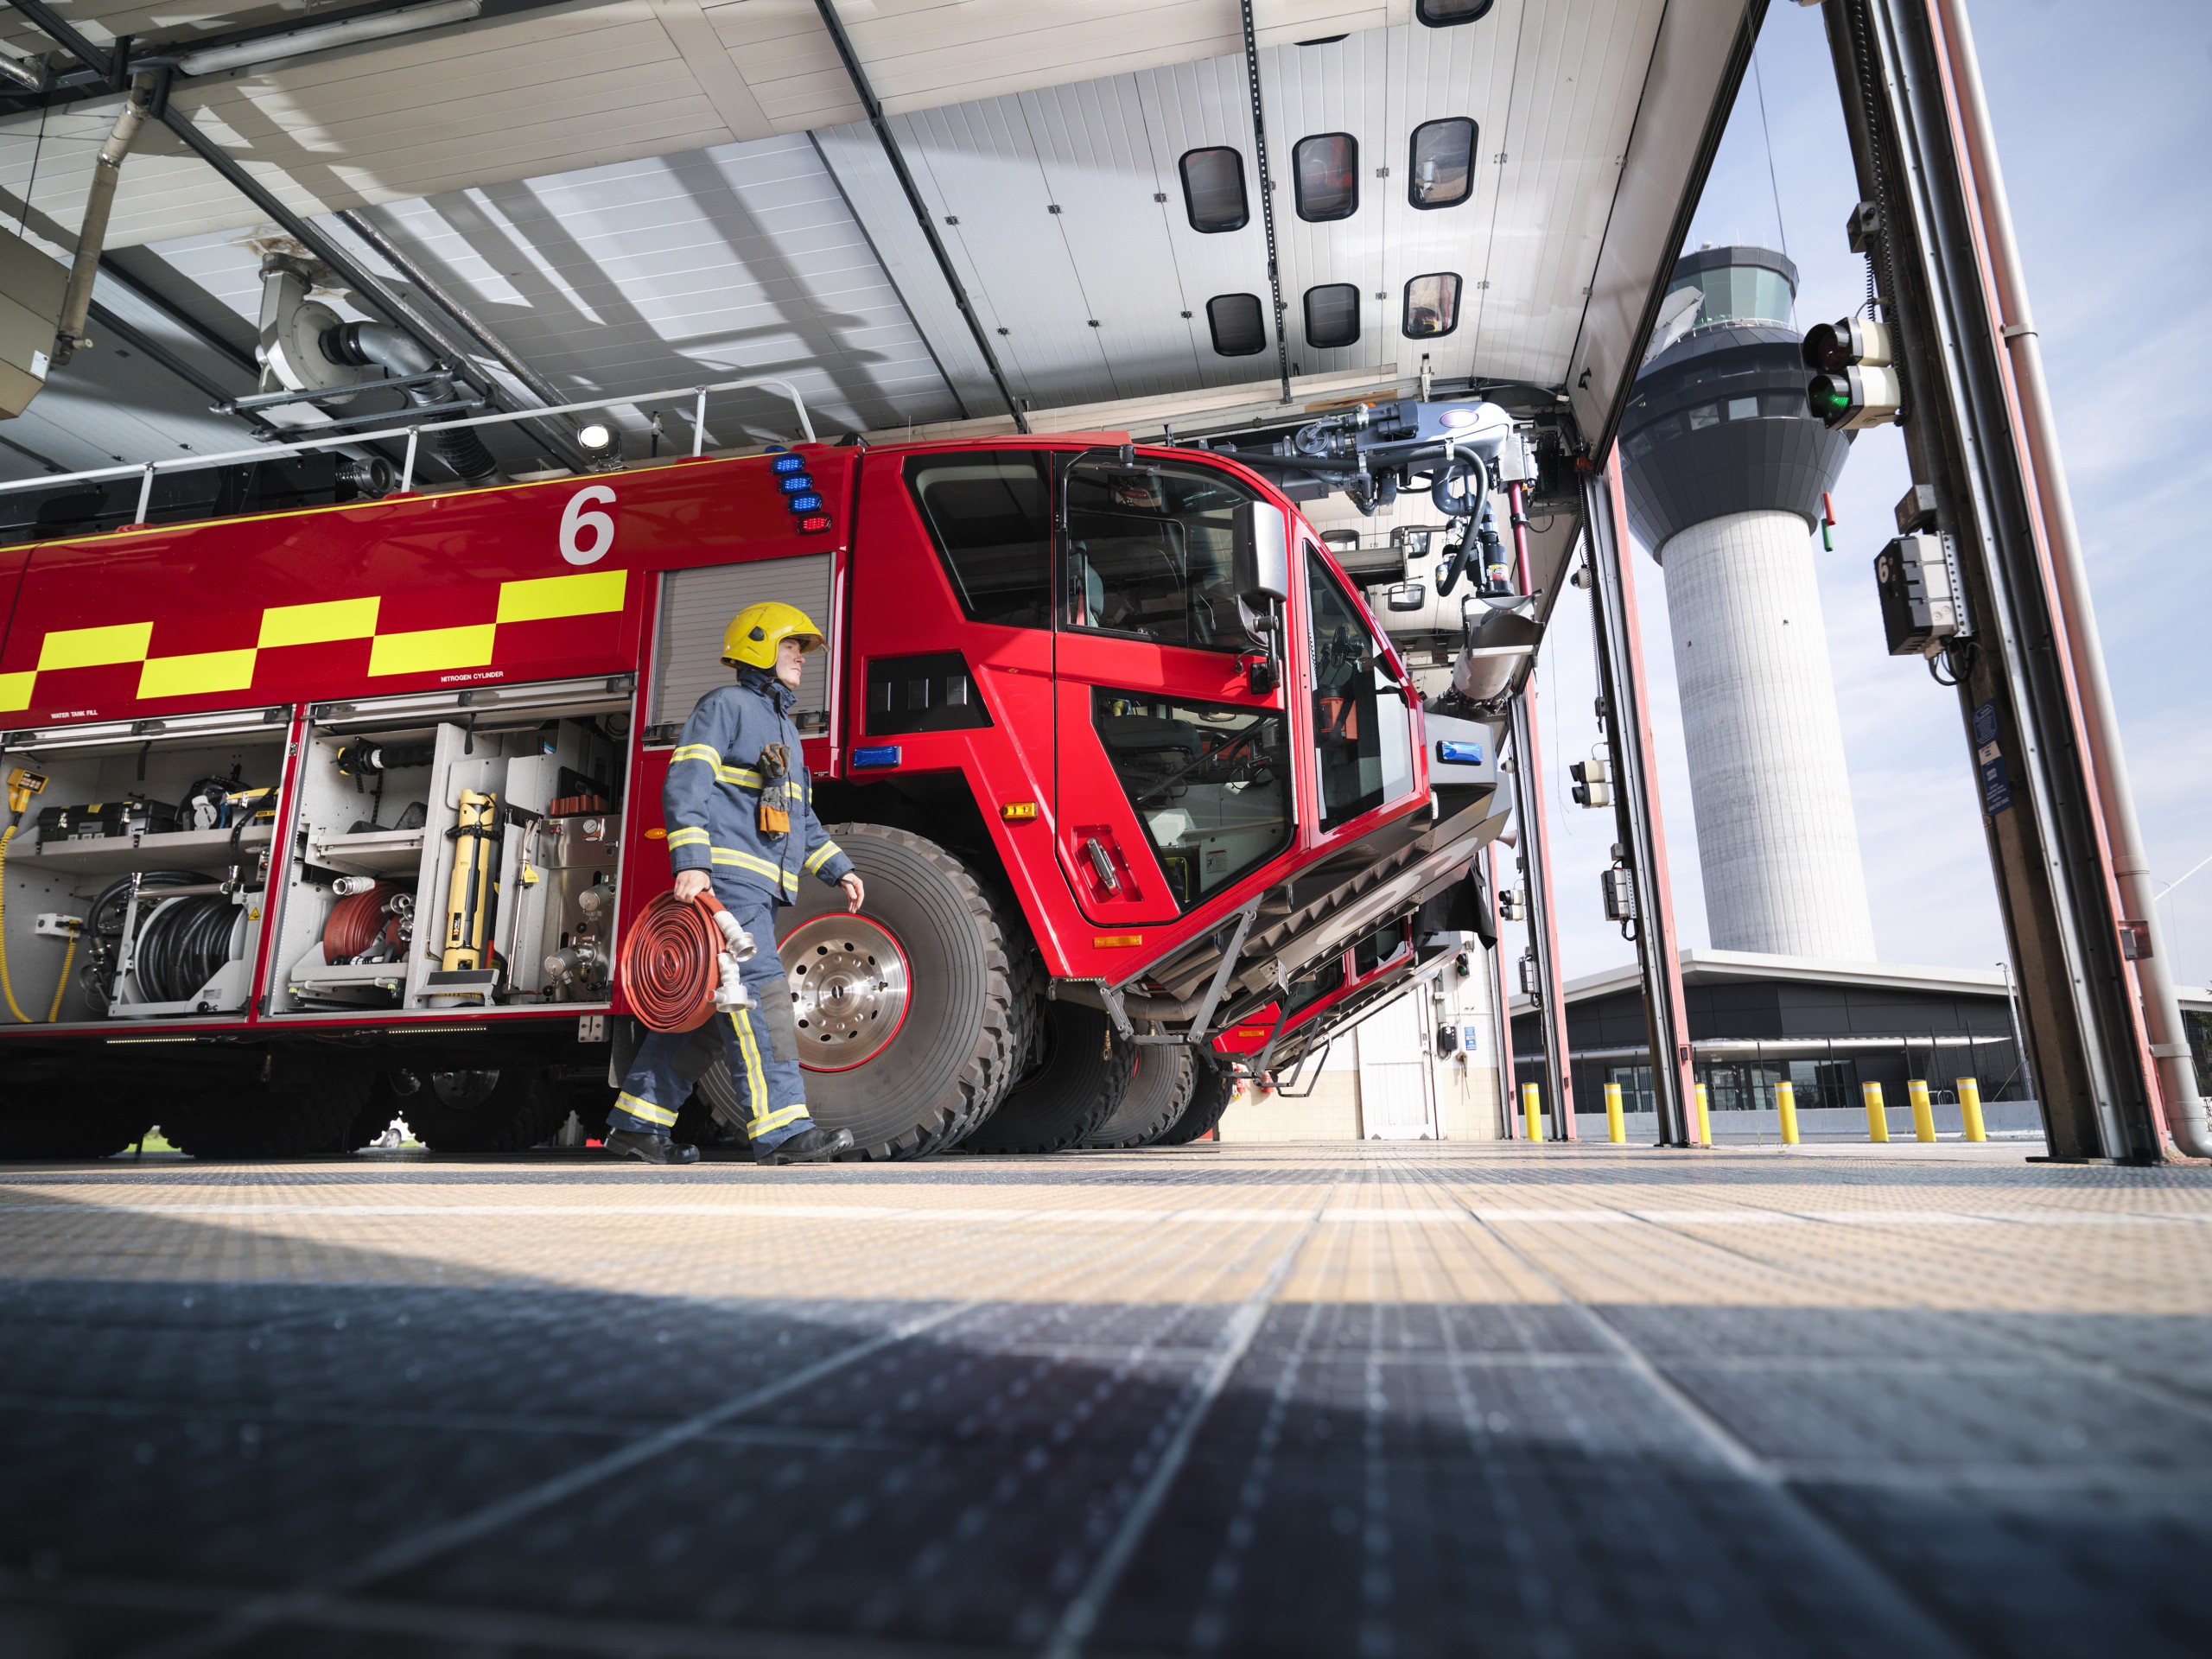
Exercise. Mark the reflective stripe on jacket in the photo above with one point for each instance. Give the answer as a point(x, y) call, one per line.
point(711, 802)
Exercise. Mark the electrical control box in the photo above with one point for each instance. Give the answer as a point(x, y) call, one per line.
point(1918, 578)
point(32, 285)
point(1620, 895)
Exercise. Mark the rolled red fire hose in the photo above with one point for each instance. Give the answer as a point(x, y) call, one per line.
point(671, 963)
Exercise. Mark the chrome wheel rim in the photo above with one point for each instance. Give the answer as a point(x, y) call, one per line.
point(850, 989)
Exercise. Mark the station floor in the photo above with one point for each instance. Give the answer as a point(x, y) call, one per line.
point(1358, 1401)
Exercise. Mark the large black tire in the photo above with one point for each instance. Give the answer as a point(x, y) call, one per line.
point(1157, 1097)
point(963, 1035)
point(57, 1128)
point(1212, 1089)
point(511, 1110)
point(1080, 1082)
point(295, 1106)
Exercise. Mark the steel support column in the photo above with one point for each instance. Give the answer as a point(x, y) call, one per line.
point(2019, 696)
point(1543, 922)
point(1641, 825)
point(1501, 1009)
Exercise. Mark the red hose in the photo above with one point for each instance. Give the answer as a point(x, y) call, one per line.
point(354, 923)
point(670, 963)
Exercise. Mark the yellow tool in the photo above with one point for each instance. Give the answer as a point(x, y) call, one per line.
point(468, 898)
point(22, 783)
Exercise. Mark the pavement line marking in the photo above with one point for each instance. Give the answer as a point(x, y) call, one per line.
point(1080, 1618)
point(1079, 1215)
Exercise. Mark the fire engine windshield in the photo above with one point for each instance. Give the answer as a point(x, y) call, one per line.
point(990, 514)
point(1210, 783)
point(1149, 553)
point(1362, 728)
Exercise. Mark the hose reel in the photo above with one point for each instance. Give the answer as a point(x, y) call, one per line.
point(679, 963)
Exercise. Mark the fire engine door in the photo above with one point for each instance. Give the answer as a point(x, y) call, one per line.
point(1174, 776)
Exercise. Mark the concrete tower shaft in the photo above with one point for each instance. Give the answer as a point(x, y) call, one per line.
point(1776, 838)
point(1726, 467)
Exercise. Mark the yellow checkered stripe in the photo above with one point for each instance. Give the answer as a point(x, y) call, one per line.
point(822, 854)
point(737, 858)
point(757, 1127)
point(421, 651)
point(643, 1110)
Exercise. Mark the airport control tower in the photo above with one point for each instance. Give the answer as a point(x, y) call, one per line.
point(1725, 471)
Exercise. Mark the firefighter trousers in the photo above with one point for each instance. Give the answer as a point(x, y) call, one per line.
point(759, 1044)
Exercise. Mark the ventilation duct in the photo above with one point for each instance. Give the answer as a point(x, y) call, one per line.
point(379, 345)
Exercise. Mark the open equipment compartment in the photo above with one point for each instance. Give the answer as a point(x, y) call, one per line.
point(135, 883)
point(455, 850)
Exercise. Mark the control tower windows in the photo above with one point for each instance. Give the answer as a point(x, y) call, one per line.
point(1441, 167)
point(1325, 170)
point(1213, 189)
point(1431, 305)
point(1239, 326)
point(1443, 14)
point(1332, 315)
point(991, 516)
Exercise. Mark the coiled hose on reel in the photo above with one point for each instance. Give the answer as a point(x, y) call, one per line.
point(671, 963)
point(181, 938)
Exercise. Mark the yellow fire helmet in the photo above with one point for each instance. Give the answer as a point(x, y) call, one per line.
point(755, 632)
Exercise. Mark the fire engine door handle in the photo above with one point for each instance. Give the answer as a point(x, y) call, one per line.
point(1103, 864)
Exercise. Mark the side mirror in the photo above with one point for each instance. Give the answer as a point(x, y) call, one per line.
point(1407, 597)
point(1261, 565)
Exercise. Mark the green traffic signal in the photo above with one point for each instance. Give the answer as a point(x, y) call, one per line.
point(1827, 396)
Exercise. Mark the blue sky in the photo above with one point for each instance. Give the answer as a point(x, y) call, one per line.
point(2104, 134)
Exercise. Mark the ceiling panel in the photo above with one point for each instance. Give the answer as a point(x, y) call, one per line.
point(1581, 67)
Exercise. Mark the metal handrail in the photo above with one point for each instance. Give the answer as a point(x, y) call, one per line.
point(412, 432)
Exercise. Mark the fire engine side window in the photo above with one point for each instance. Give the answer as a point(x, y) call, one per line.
point(1361, 726)
point(1377, 948)
point(1310, 988)
point(990, 515)
point(1150, 552)
point(1210, 783)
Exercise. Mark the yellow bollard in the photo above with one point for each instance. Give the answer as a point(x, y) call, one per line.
point(1970, 1109)
point(1703, 1118)
point(1616, 1131)
point(1878, 1119)
point(1923, 1115)
point(1532, 1110)
point(1785, 1100)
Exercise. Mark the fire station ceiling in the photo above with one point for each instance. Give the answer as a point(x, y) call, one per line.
point(645, 193)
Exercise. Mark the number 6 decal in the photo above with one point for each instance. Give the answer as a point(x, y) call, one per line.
point(586, 536)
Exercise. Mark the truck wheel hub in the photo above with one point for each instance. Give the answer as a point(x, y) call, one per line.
point(850, 988)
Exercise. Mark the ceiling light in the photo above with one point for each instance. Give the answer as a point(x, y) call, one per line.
point(594, 437)
point(349, 31)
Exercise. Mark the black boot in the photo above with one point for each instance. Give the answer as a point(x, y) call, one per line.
point(653, 1149)
point(807, 1146)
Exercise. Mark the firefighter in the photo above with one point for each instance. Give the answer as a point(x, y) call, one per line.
point(740, 810)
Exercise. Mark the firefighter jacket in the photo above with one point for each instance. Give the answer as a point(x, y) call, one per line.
point(717, 783)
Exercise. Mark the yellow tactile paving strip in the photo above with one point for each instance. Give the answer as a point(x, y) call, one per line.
point(1327, 1399)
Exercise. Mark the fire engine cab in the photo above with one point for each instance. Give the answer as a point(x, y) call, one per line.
point(324, 813)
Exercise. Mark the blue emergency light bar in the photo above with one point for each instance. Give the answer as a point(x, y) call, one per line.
point(1452, 753)
point(796, 482)
point(804, 503)
point(790, 463)
point(883, 755)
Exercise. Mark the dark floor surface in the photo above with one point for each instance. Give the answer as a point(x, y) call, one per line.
point(1341, 1402)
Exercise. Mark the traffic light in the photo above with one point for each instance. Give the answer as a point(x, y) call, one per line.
point(1593, 781)
point(1853, 383)
point(1513, 906)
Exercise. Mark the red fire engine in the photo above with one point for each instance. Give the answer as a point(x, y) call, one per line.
point(324, 813)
